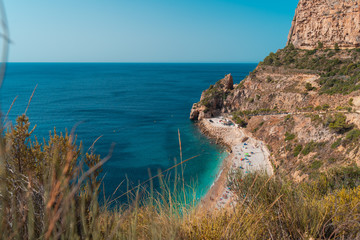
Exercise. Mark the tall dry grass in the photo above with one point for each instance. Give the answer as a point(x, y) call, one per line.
point(50, 190)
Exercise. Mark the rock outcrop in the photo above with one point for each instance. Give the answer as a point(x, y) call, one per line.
point(212, 99)
point(327, 21)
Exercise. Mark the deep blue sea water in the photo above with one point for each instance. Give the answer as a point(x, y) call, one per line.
point(139, 107)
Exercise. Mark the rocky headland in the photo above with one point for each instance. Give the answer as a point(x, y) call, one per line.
point(303, 101)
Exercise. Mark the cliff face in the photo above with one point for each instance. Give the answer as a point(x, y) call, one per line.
point(326, 21)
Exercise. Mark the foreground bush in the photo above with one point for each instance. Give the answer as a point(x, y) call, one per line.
point(42, 193)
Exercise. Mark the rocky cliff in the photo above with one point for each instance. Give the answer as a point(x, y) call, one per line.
point(303, 103)
point(327, 21)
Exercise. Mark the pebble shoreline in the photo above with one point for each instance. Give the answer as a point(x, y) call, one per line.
point(246, 153)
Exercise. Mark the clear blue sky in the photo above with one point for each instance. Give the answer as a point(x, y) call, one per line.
point(147, 30)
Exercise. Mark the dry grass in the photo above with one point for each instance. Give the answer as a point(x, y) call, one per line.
point(50, 191)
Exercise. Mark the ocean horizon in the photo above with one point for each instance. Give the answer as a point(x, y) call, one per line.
point(138, 106)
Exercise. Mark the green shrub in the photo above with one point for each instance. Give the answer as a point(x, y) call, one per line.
point(239, 120)
point(353, 135)
point(320, 45)
point(289, 136)
point(336, 144)
point(338, 124)
point(309, 87)
point(309, 147)
point(311, 52)
point(290, 47)
point(325, 107)
point(351, 102)
point(343, 177)
point(315, 165)
point(297, 150)
point(318, 108)
point(272, 59)
point(341, 108)
point(331, 85)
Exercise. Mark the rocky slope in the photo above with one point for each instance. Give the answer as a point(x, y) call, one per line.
point(304, 100)
point(305, 105)
point(328, 21)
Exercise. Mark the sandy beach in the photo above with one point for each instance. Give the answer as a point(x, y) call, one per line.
point(246, 153)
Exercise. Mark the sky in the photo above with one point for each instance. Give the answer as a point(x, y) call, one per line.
point(219, 31)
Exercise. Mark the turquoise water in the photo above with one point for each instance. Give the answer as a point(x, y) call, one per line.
point(139, 107)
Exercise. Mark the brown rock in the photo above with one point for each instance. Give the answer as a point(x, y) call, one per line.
point(194, 114)
point(326, 21)
point(212, 100)
point(228, 82)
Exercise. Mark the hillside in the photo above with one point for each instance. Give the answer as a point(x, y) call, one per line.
point(303, 103)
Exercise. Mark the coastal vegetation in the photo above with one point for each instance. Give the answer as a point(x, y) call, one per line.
point(51, 190)
point(237, 117)
point(338, 123)
point(339, 74)
point(214, 92)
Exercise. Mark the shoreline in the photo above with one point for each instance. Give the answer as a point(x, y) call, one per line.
point(245, 152)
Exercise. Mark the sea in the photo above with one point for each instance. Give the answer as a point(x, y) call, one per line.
point(139, 107)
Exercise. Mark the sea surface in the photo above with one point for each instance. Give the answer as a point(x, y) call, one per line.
point(139, 107)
